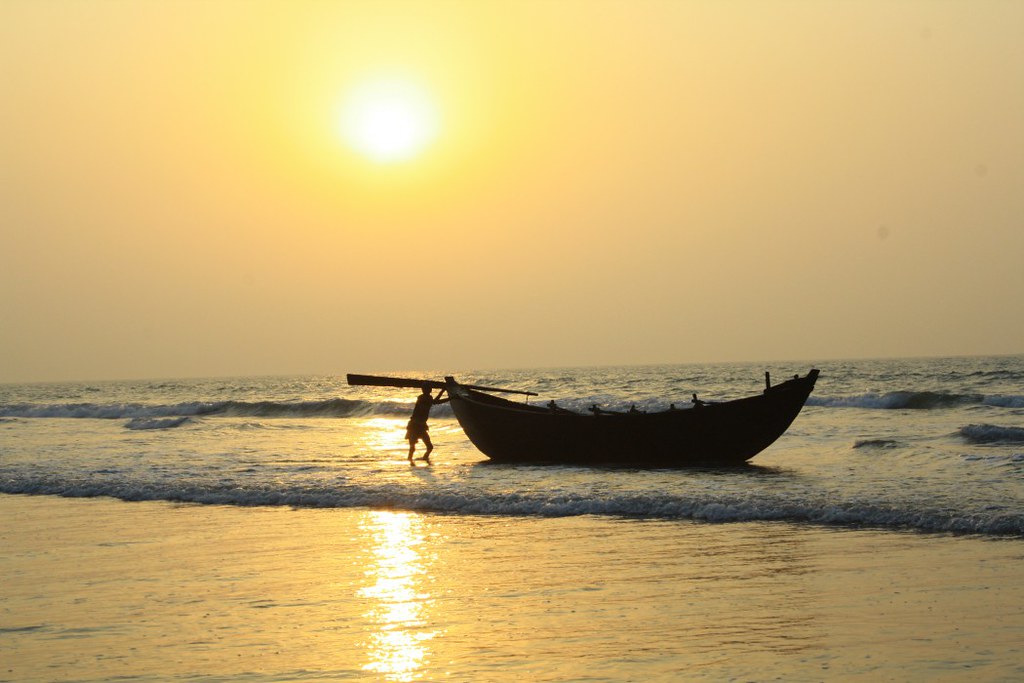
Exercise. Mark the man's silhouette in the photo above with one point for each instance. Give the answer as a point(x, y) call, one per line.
point(417, 428)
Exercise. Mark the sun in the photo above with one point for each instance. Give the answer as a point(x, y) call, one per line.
point(389, 120)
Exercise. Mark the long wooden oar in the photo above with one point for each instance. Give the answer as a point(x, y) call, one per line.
point(378, 381)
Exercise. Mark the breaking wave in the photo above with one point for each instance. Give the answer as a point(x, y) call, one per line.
point(336, 408)
point(914, 400)
point(139, 423)
point(707, 507)
point(1004, 401)
point(876, 443)
point(985, 433)
point(347, 408)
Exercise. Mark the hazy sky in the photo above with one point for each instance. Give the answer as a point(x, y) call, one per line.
point(609, 183)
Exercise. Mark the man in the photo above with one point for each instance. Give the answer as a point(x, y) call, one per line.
point(417, 428)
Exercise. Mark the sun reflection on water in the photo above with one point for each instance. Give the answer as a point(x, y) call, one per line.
point(399, 647)
point(383, 434)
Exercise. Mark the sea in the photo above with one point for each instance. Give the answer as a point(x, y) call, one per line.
point(927, 445)
point(927, 452)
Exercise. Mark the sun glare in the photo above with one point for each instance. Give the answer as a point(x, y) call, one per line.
point(389, 121)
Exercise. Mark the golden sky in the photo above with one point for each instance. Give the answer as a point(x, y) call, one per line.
point(601, 183)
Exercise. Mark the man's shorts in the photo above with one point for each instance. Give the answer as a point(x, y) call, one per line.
point(416, 430)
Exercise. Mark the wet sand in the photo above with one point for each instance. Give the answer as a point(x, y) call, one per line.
point(102, 590)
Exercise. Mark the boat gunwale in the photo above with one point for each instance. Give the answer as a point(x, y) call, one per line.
point(498, 403)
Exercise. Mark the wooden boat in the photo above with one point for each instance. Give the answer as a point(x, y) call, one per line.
point(708, 434)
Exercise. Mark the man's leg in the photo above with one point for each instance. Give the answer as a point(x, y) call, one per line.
point(412, 447)
point(430, 446)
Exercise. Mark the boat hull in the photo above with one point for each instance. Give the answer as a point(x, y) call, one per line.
point(714, 434)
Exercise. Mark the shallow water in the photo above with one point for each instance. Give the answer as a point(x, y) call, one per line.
point(99, 590)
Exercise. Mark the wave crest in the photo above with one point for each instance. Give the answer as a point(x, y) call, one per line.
point(898, 400)
point(1004, 401)
point(140, 423)
point(876, 443)
point(334, 408)
point(986, 434)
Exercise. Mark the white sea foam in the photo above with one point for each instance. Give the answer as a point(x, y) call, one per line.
point(706, 507)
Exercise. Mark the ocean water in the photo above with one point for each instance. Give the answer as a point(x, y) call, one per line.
point(931, 445)
point(271, 529)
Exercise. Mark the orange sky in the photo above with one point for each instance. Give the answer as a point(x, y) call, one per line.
point(610, 183)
